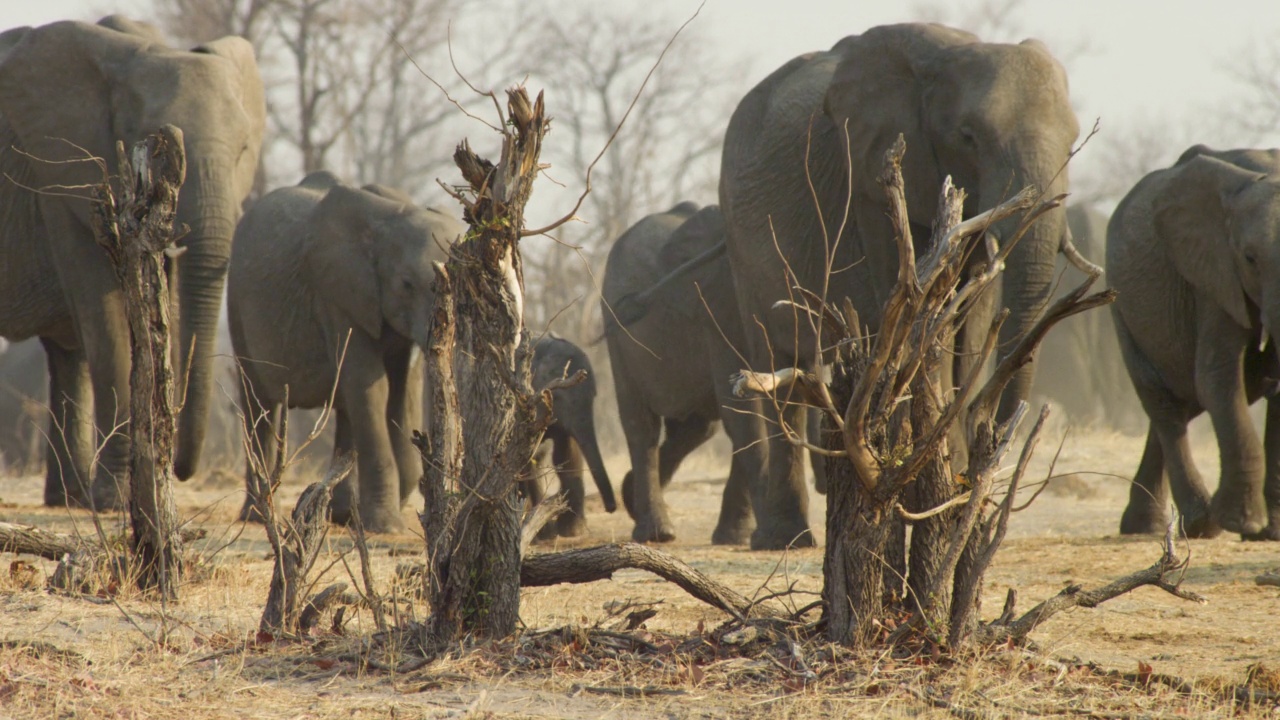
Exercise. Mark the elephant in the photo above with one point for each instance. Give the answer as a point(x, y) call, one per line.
point(24, 385)
point(1081, 369)
point(333, 285)
point(569, 444)
point(672, 358)
point(71, 90)
point(1193, 252)
point(802, 206)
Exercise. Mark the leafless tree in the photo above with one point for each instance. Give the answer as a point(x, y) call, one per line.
point(998, 21)
point(668, 150)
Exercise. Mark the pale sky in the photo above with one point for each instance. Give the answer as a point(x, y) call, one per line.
point(1129, 60)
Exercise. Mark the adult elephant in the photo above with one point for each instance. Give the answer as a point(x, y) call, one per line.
point(994, 117)
point(671, 364)
point(1081, 368)
point(334, 284)
point(70, 90)
point(1194, 251)
point(570, 441)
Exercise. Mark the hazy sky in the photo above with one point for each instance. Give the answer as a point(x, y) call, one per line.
point(1131, 60)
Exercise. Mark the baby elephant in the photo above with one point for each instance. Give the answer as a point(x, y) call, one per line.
point(334, 283)
point(570, 441)
point(1194, 251)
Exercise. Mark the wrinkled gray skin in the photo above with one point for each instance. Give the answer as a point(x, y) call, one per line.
point(1080, 367)
point(70, 88)
point(311, 264)
point(569, 444)
point(671, 366)
point(1194, 252)
point(994, 117)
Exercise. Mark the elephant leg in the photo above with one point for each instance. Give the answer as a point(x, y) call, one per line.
point(69, 455)
point(1185, 482)
point(1148, 510)
point(404, 415)
point(570, 466)
point(1271, 484)
point(743, 425)
point(109, 372)
point(365, 392)
point(1238, 505)
point(817, 461)
point(344, 500)
point(682, 437)
point(649, 508)
point(780, 499)
point(261, 427)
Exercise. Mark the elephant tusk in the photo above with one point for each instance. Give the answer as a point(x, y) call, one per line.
point(748, 382)
point(173, 252)
point(1075, 258)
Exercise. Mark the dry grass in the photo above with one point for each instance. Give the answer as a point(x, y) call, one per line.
point(126, 656)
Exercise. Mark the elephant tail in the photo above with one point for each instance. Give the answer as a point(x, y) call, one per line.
point(633, 307)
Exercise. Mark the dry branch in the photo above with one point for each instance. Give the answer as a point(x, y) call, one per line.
point(599, 563)
point(28, 540)
point(296, 547)
point(1006, 630)
point(135, 227)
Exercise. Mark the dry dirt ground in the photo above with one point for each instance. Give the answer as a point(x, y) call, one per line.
point(127, 656)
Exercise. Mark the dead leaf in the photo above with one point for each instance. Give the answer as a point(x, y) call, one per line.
point(1144, 673)
point(25, 575)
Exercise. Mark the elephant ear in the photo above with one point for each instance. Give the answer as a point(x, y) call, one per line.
point(253, 99)
point(879, 89)
point(56, 86)
point(1191, 219)
point(341, 258)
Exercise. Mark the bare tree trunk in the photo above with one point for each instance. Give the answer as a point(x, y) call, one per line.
point(479, 369)
point(136, 229)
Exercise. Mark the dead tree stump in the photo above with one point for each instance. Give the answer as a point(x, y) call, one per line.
point(296, 546)
point(484, 418)
point(135, 227)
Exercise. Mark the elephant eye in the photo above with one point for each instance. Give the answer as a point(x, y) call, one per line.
point(966, 135)
point(1251, 259)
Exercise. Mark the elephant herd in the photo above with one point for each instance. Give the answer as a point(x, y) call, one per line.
point(329, 286)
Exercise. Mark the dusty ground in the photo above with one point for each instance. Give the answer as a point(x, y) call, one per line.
point(202, 667)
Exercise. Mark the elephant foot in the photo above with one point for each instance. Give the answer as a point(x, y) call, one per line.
point(1144, 520)
point(107, 498)
point(1238, 512)
point(570, 524)
point(782, 537)
point(386, 520)
point(628, 494)
point(1269, 533)
point(732, 533)
point(548, 533)
point(58, 494)
point(655, 529)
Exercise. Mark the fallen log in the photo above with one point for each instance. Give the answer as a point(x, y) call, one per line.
point(600, 563)
point(28, 540)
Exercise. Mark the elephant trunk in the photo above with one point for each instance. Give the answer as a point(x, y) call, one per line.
point(1029, 268)
point(210, 211)
point(580, 423)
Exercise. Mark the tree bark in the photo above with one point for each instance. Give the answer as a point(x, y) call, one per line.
point(479, 369)
point(136, 229)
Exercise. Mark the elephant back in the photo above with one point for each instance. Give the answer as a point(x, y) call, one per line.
point(636, 259)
